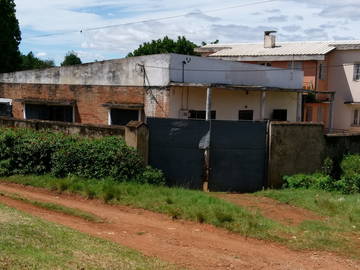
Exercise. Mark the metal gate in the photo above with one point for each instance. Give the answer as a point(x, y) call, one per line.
point(237, 154)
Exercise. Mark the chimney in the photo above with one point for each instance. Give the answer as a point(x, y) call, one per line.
point(269, 39)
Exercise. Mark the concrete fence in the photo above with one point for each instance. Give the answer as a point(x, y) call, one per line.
point(302, 148)
point(135, 134)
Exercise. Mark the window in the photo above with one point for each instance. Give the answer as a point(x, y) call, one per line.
point(266, 64)
point(295, 65)
point(322, 71)
point(356, 120)
point(279, 115)
point(357, 72)
point(49, 112)
point(5, 109)
point(122, 117)
point(201, 114)
point(246, 115)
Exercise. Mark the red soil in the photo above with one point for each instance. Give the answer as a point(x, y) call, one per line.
point(188, 244)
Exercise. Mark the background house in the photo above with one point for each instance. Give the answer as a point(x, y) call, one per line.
point(329, 66)
point(115, 92)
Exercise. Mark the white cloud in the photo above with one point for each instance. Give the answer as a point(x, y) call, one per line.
point(230, 25)
point(41, 54)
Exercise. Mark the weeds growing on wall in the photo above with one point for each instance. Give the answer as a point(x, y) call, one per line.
point(348, 183)
point(24, 151)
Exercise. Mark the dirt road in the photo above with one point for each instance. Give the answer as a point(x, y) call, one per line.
point(191, 245)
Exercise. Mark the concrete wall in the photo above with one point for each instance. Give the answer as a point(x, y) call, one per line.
point(159, 69)
point(124, 72)
point(67, 128)
point(227, 103)
point(294, 148)
point(206, 70)
point(341, 81)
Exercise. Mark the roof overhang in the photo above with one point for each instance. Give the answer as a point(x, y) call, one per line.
point(272, 58)
point(124, 106)
point(351, 103)
point(246, 88)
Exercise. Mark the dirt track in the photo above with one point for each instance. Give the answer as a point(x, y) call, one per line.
point(187, 244)
point(283, 213)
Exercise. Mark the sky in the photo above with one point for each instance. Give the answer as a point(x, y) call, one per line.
point(229, 21)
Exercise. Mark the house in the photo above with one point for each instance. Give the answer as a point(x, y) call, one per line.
point(117, 91)
point(329, 66)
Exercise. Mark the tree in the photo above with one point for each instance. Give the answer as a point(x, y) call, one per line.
point(10, 37)
point(166, 45)
point(29, 61)
point(71, 59)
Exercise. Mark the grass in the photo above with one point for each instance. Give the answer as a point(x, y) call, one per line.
point(55, 207)
point(342, 211)
point(178, 203)
point(329, 234)
point(27, 242)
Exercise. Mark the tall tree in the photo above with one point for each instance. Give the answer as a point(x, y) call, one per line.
point(70, 59)
point(10, 37)
point(166, 45)
point(29, 61)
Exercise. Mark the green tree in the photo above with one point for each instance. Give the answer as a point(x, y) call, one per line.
point(29, 61)
point(10, 37)
point(71, 59)
point(166, 45)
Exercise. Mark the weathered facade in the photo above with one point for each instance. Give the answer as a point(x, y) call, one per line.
point(167, 85)
point(329, 67)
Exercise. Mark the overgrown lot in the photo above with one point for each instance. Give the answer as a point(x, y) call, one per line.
point(30, 243)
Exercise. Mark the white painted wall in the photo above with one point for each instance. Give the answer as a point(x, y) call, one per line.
point(227, 103)
point(207, 70)
point(122, 72)
point(341, 72)
point(160, 70)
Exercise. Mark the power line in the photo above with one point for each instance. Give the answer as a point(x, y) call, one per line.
point(146, 21)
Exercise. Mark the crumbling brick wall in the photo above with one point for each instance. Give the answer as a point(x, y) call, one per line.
point(89, 100)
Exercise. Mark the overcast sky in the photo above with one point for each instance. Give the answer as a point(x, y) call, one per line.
point(230, 21)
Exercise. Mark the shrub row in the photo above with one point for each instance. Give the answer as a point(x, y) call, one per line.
point(24, 151)
point(349, 181)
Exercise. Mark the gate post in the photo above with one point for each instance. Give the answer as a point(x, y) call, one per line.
point(207, 149)
point(137, 136)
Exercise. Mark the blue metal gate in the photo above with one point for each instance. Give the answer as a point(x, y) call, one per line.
point(238, 153)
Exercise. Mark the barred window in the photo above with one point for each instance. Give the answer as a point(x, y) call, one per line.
point(356, 118)
point(357, 72)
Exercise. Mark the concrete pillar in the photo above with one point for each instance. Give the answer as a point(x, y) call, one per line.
point(331, 112)
point(208, 104)
point(262, 105)
point(299, 107)
point(137, 136)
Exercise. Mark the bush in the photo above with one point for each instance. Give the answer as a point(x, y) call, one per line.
point(350, 178)
point(316, 181)
point(348, 183)
point(24, 152)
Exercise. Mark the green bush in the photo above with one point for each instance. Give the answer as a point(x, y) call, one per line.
point(24, 152)
point(350, 177)
point(348, 183)
point(316, 181)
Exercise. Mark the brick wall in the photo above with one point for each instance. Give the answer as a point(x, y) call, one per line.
point(89, 107)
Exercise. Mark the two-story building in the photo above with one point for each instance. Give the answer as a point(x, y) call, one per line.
point(329, 66)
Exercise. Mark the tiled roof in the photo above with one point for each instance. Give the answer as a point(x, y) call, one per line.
point(281, 49)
